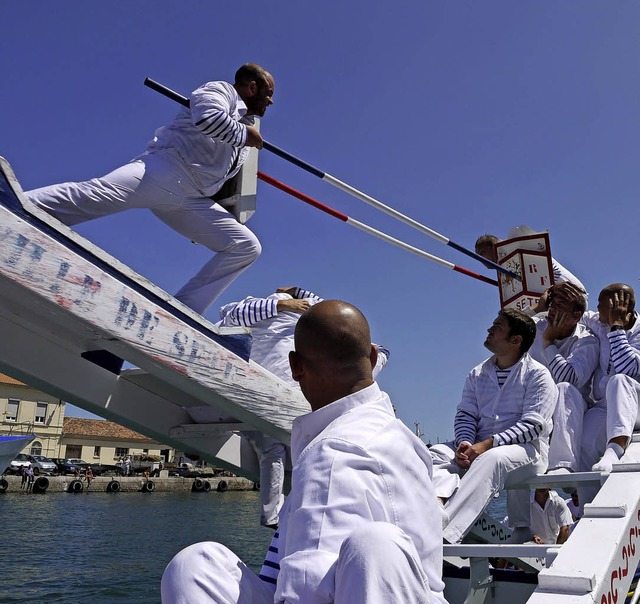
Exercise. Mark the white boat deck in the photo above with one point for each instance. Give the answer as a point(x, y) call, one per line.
point(596, 564)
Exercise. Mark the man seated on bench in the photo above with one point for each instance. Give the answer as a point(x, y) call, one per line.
point(501, 429)
point(361, 523)
point(608, 425)
point(570, 352)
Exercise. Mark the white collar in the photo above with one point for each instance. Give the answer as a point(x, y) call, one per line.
point(307, 427)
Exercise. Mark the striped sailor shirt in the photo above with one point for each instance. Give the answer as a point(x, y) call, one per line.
point(208, 139)
point(518, 412)
point(573, 359)
point(271, 565)
point(619, 351)
point(272, 330)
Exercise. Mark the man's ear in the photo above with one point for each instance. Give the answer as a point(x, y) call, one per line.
point(516, 340)
point(373, 355)
point(296, 364)
point(252, 87)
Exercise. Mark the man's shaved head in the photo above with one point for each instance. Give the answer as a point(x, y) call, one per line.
point(614, 288)
point(333, 353)
point(335, 332)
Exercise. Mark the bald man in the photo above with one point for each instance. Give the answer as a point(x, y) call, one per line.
point(185, 164)
point(361, 523)
point(609, 424)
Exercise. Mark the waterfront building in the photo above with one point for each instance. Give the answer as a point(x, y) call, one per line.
point(102, 441)
point(27, 410)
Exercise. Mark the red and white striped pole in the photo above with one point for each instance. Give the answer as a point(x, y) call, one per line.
point(343, 186)
point(370, 230)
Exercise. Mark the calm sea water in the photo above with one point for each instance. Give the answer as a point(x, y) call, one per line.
point(104, 548)
point(101, 547)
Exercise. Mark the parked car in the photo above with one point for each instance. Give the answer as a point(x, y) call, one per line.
point(42, 465)
point(69, 466)
point(73, 465)
point(21, 460)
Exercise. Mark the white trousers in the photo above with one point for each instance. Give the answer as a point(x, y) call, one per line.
point(377, 564)
point(564, 448)
point(487, 475)
point(157, 182)
point(615, 415)
point(271, 455)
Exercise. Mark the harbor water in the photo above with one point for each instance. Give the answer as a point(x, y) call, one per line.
point(104, 548)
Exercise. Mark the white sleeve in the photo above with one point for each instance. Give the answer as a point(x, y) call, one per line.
point(345, 489)
point(211, 107)
point(248, 312)
point(560, 274)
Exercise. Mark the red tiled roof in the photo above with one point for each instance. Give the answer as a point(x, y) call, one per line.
point(5, 379)
point(80, 426)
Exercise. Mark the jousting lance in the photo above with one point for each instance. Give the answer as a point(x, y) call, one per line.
point(367, 229)
point(332, 180)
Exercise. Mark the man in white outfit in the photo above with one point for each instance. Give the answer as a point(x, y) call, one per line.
point(570, 352)
point(361, 523)
point(501, 429)
point(186, 163)
point(273, 321)
point(616, 386)
point(550, 517)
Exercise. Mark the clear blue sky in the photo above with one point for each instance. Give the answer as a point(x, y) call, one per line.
point(471, 117)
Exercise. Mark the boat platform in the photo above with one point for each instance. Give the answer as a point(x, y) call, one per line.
point(71, 314)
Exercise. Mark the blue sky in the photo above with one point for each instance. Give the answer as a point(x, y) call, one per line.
point(470, 117)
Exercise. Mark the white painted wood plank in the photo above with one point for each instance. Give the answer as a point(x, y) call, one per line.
point(83, 307)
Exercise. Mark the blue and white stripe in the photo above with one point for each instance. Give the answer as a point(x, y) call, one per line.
point(465, 427)
point(624, 357)
point(562, 371)
point(502, 375)
point(524, 431)
point(305, 294)
point(247, 313)
point(271, 566)
point(220, 126)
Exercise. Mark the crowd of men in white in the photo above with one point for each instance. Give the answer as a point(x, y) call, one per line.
point(559, 394)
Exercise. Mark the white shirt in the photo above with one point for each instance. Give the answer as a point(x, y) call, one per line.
point(560, 274)
point(546, 522)
point(627, 346)
point(273, 330)
point(354, 462)
point(578, 355)
point(206, 139)
point(529, 395)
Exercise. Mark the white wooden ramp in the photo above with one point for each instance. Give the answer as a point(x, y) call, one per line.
point(69, 313)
